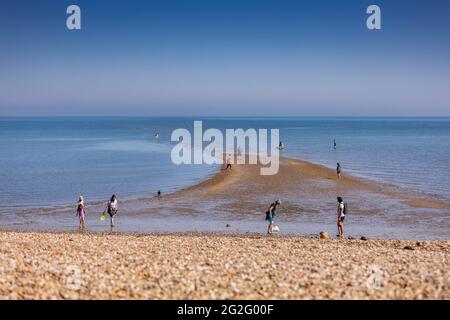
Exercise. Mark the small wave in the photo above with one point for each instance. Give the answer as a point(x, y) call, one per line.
point(130, 146)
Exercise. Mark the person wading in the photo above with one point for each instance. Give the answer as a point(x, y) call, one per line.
point(111, 208)
point(271, 214)
point(341, 212)
point(81, 212)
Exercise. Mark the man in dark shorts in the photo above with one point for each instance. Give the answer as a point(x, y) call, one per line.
point(271, 214)
point(340, 217)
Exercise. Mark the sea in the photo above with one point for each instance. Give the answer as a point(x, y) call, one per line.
point(47, 162)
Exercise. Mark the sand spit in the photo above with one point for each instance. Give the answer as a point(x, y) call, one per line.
point(303, 186)
point(308, 192)
point(205, 266)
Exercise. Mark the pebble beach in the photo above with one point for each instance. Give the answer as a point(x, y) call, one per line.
point(44, 265)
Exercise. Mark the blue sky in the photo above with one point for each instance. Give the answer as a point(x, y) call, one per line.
point(225, 57)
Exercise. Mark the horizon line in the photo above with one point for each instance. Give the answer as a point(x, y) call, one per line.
point(223, 116)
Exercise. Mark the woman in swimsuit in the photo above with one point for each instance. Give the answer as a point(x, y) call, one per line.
point(81, 212)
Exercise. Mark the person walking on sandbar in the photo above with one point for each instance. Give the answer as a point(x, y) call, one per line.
point(228, 162)
point(338, 170)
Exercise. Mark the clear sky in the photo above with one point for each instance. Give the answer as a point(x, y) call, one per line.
point(225, 57)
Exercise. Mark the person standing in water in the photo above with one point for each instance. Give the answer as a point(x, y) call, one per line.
point(334, 144)
point(159, 194)
point(81, 212)
point(338, 170)
point(111, 208)
point(271, 214)
point(340, 217)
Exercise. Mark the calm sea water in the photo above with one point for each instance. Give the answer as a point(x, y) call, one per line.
point(46, 162)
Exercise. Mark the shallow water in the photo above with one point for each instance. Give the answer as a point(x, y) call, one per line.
point(47, 162)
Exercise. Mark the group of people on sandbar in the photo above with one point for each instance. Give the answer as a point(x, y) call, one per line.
point(112, 205)
point(341, 212)
point(111, 210)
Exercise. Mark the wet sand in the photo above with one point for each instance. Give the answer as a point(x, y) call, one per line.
point(299, 177)
point(207, 266)
point(239, 197)
point(309, 192)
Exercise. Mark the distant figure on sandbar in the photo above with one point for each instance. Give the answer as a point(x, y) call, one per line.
point(334, 144)
point(341, 212)
point(159, 194)
point(271, 214)
point(81, 212)
point(111, 208)
point(228, 162)
point(338, 170)
point(281, 145)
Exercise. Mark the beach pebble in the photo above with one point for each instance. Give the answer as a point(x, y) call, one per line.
point(324, 235)
point(205, 266)
point(408, 248)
